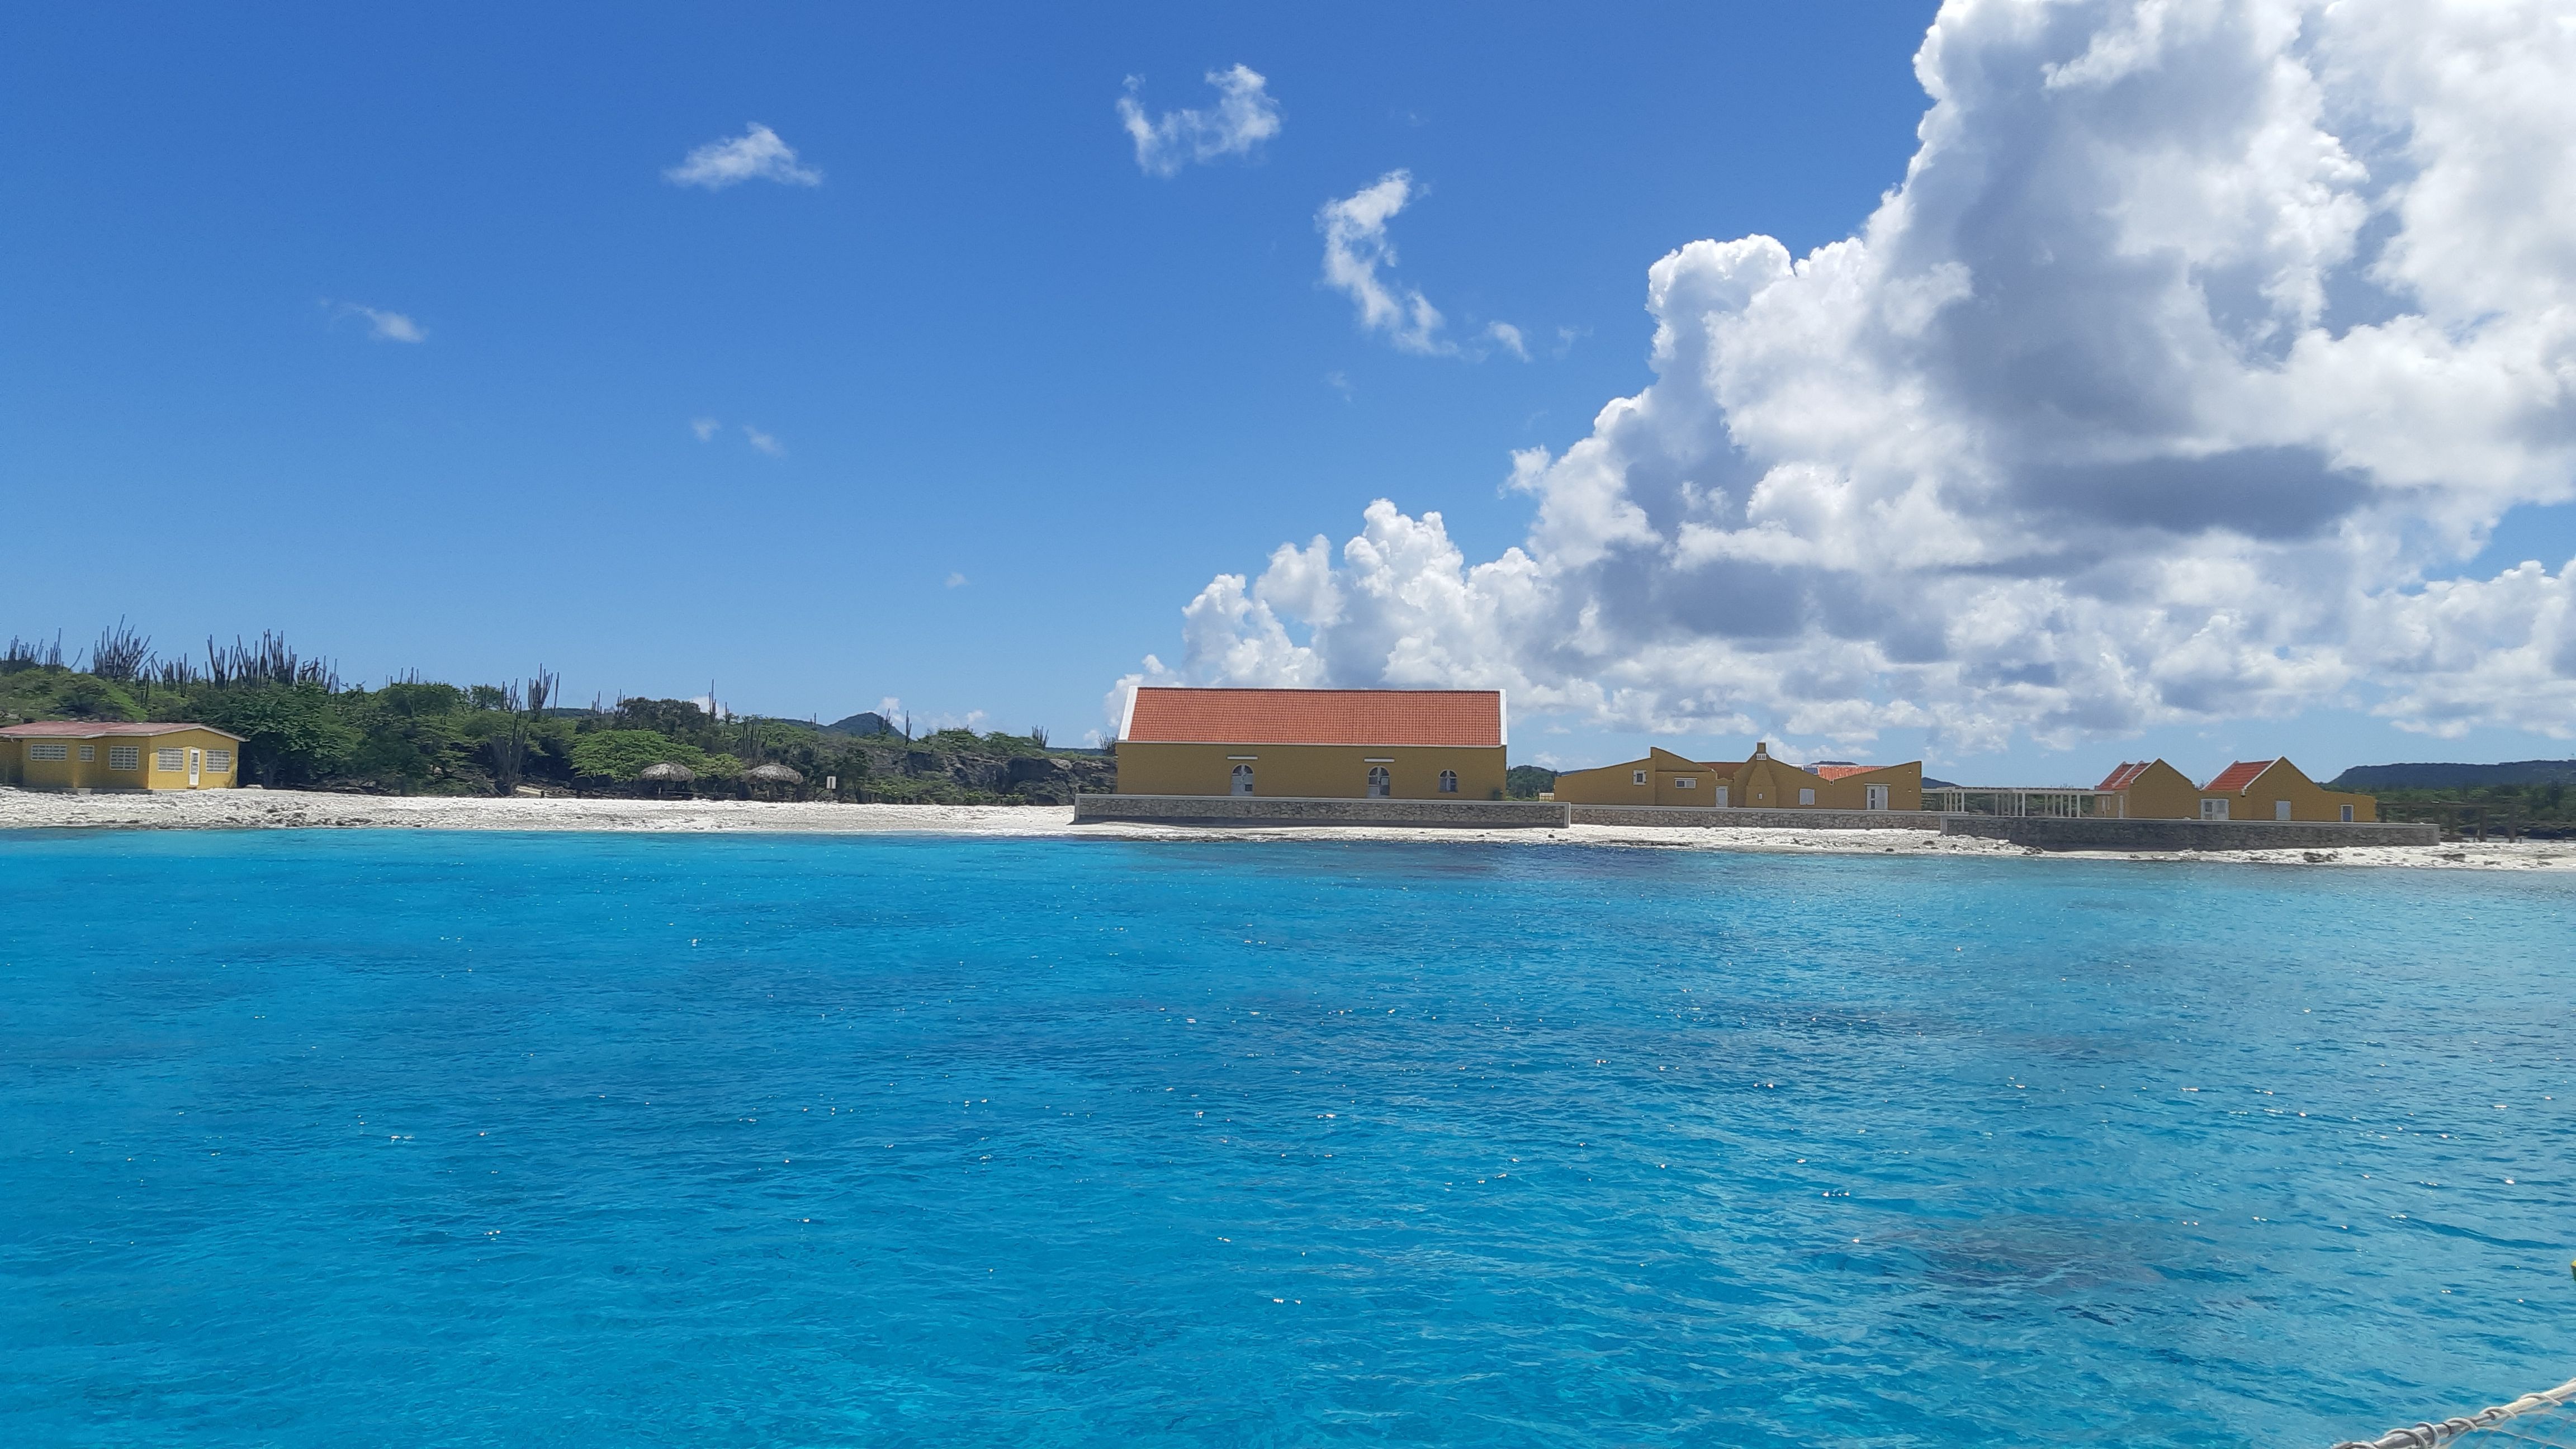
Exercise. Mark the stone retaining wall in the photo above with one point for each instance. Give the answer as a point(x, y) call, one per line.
point(2045, 833)
point(1711, 816)
point(1281, 810)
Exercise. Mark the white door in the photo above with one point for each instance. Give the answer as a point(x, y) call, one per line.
point(1877, 797)
point(2280, 809)
point(1719, 799)
point(1243, 779)
point(196, 765)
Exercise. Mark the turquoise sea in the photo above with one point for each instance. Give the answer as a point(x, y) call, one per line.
point(350, 1139)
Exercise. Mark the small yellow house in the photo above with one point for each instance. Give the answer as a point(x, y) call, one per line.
point(1397, 744)
point(2279, 790)
point(96, 755)
point(2150, 790)
point(2245, 790)
point(1758, 783)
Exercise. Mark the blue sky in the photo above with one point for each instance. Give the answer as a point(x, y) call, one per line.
point(990, 403)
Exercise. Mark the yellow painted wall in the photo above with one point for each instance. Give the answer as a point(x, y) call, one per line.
point(98, 771)
point(1323, 772)
point(1664, 772)
point(1760, 783)
point(2308, 800)
point(1763, 783)
point(2161, 792)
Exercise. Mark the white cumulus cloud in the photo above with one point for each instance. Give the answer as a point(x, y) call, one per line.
point(2200, 346)
point(1245, 116)
point(762, 442)
point(755, 155)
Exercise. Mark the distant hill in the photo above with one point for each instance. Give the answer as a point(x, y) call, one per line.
point(2455, 777)
point(863, 724)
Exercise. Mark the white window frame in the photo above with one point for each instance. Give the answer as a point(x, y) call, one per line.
point(1685, 782)
point(1806, 797)
point(125, 757)
point(169, 762)
point(2347, 815)
point(220, 762)
point(2280, 809)
point(1240, 781)
point(2213, 809)
point(89, 754)
point(1636, 777)
point(44, 750)
point(1876, 796)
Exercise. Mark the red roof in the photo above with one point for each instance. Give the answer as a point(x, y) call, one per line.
point(82, 729)
point(1316, 716)
point(2125, 776)
point(2236, 777)
point(1836, 772)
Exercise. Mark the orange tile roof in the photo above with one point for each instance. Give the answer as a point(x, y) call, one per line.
point(1836, 772)
point(81, 729)
point(1316, 716)
point(2125, 776)
point(2236, 776)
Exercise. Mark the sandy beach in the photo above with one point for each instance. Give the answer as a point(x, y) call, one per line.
point(300, 810)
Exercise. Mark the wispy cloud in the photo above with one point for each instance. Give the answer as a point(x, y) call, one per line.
point(1245, 116)
point(705, 428)
point(762, 441)
point(1508, 337)
point(956, 581)
point(1356, 246)
point(383, 326)
point(755, 155)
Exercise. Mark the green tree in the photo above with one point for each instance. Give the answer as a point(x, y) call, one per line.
point(622, 755)
point(290, 733)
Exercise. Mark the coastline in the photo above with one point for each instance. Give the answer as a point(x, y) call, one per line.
point(303, 810)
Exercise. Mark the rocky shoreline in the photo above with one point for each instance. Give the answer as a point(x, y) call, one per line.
point(312, 810)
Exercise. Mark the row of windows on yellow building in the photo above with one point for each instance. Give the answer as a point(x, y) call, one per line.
point(70, 755)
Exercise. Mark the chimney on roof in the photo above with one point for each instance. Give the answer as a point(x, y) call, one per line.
point(1762, 749)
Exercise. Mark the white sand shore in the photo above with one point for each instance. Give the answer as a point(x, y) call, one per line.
point(292, 810)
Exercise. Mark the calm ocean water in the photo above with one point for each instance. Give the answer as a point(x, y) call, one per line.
point(412, 1139)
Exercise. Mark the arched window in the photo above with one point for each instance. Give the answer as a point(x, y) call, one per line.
point(1381, 784)
point(1243, 779)
point(1448, 782)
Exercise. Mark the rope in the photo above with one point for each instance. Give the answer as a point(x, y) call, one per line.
point(2430, 1436)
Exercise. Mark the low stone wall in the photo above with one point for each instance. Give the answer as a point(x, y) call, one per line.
point(1280, 810)
point(2044, 833)
point(1711, 816)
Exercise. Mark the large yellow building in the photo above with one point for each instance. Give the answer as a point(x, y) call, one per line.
point(1399, 744)
point(2245, 790)
point(1758, 783)
point(89, 755)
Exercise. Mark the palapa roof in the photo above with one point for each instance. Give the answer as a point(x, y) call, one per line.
point(2236, 777)
point(88, 729)
point(781, 773)
point(667, 770)
point(1472, 717)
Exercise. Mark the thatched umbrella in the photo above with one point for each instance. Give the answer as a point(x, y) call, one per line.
point(779, 775)
point(666, 774)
